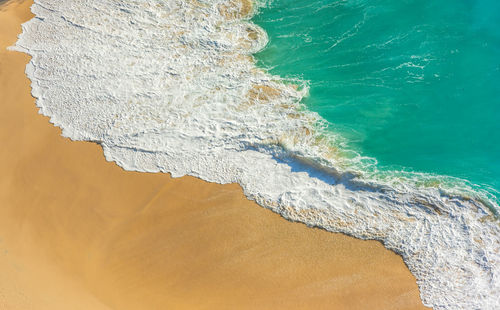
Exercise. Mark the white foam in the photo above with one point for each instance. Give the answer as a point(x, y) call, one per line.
point(167, 85)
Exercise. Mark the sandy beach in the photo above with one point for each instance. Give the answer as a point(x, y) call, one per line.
point(77, 232)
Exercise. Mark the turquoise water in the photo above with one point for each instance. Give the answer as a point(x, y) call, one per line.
point(412, 83)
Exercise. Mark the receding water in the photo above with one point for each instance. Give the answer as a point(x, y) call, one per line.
point(412, 83)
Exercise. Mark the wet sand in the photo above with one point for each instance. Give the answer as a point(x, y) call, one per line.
point(77, 232)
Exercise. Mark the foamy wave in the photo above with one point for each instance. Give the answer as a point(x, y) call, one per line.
point(171, 86)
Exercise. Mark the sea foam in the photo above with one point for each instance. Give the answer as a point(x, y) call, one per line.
point(171, 86)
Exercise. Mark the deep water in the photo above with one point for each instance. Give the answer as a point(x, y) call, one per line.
point(414, 84)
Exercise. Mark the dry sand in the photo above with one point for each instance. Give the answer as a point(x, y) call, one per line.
point(77, 232)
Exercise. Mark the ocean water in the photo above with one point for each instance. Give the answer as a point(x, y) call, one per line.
point(173, 86)
point(413, 84)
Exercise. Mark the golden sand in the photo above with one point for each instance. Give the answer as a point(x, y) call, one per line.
point(77, 232)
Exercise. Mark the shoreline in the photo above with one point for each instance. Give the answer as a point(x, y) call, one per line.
point(115, 239)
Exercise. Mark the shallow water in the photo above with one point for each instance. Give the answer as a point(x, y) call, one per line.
point(414, 84)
